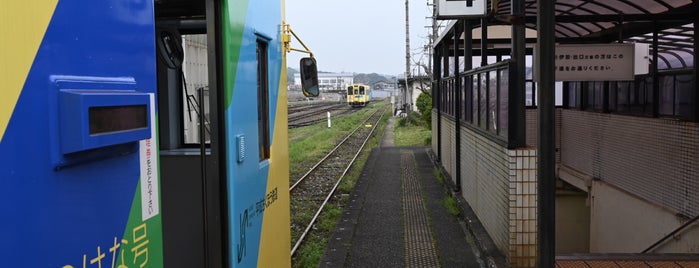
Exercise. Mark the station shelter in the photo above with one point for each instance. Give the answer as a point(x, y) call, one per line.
point(570, 126)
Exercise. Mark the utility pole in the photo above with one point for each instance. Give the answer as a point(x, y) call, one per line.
point(407, 41)
point(433, 36)
point(432, 40)
point(407, 52)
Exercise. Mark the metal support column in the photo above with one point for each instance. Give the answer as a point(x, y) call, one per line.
point(468, 45)
point(546, 231)
point(216, 220)
point(696, 57)
point(516, 136)
point(484, 42)
point(484, 62)
point(654, 71)
point(458, 29)
point(437, 96)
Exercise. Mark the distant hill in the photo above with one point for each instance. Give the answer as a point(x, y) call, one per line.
point(370, 79)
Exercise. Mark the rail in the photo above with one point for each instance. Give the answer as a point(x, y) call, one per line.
point(377, 115)
point(312, 115)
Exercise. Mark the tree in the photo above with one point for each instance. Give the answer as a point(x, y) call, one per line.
point(423, 85)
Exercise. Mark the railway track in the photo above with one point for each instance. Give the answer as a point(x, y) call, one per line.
point(301, 107)
point(313, 190)
point(320, 117)
point(314, 114)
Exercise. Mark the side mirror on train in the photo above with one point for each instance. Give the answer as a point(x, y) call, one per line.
point(309, 77)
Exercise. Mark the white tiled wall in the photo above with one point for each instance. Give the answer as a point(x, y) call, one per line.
point(523, 204)
point(500, 185)
point(448, 150)
point(655, 159)
point(434, 131)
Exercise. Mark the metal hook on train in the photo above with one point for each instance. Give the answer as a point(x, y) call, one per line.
point(308, 66)
point(288, 32)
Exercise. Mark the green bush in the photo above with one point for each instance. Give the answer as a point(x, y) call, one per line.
point(411, 131)
point(424, 106)
point(402, 123)
point(413, 119)
point(424, 102)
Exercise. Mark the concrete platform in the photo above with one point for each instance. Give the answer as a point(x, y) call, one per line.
point(396, 216)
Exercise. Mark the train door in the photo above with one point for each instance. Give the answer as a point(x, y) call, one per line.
point(223, 133)
point(78, 153)
point(193, 193)
point(109, 155)
point(254, 114)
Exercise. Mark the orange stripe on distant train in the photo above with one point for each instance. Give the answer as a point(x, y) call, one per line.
point(23, 25)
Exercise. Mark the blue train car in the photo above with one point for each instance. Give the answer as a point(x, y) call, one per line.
point(110, 157)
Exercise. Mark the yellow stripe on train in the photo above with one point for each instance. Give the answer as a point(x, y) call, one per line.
point(26, 22)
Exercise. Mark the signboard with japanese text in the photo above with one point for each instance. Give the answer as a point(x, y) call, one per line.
point(454, 9)
point(594, 62)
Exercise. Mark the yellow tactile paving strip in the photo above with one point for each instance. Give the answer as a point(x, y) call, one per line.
point(420, 250)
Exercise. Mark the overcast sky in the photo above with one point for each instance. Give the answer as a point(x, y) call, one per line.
point(360, 36)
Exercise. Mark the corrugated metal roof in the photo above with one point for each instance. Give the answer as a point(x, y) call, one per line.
point(607, 21)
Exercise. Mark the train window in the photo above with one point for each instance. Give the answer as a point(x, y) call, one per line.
point(262, 100)
point(196, 89)
point(349, 90)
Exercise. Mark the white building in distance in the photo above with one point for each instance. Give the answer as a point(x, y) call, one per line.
point(327, 81)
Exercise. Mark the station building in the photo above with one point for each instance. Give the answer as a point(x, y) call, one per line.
point(329, 81)
point(415, 85)
point(625, 143)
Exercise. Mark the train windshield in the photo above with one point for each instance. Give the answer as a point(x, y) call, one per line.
point(361, 90)
point(349, 90)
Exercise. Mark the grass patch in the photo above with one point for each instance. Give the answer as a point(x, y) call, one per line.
point(439, 176)
point(411, 131)
point(307, 145)
point(310, 254)
point(450, 203)
point(312, 250)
